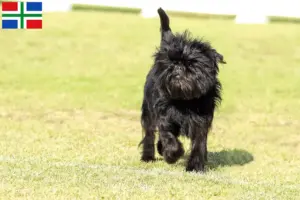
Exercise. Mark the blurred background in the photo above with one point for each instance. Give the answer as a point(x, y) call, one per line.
point(71, 95)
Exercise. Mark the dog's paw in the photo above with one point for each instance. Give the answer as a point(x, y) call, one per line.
point(198, 168)
point(147, 158)
point(173, 153)
point(195, 166)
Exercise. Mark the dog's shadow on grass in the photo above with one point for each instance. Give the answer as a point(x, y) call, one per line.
point(229, 158)
point(224, 158)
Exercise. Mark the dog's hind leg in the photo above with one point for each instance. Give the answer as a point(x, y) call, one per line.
point(148, 124)
point(168, 145)
point(205, 152)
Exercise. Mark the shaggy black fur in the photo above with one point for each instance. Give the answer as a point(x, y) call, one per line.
point(180, 95)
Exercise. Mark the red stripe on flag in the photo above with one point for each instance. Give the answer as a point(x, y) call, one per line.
point(34, 24)
point(9, 6)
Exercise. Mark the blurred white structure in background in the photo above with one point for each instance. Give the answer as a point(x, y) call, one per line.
point(249, 12)
point(112, 3)
point(149, 8)
point(246, 11)
point(57, 5)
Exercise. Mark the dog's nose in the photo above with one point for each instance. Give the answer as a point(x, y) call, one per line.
point(175, 54)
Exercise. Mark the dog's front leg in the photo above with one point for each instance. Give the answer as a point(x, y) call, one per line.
point(171, 147)
point(199, 152)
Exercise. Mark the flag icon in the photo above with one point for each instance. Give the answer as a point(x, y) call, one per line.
point(22, 15)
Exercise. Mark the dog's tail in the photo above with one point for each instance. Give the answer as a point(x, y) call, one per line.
point(164, 20)
point(164, 23)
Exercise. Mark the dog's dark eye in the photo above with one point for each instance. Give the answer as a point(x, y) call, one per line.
point(188, 63)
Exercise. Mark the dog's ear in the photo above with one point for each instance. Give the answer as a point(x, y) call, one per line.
point(219, 57)
point(166, 32)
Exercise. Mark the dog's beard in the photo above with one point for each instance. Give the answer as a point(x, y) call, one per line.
point(184, 85)
point(179, 88)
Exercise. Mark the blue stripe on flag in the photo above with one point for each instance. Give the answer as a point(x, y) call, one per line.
point(9, 24)
point(34, 6)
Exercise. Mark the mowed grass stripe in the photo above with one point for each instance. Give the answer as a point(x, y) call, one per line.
point(153, 172)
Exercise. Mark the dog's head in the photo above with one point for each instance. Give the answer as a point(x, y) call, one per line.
point(186, 68)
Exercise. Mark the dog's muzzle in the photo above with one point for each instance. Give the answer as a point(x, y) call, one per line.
point(178, 72)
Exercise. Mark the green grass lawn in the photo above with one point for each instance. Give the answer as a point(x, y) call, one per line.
point(70, 105)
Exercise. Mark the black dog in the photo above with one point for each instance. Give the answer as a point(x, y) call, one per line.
point(180, 95)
